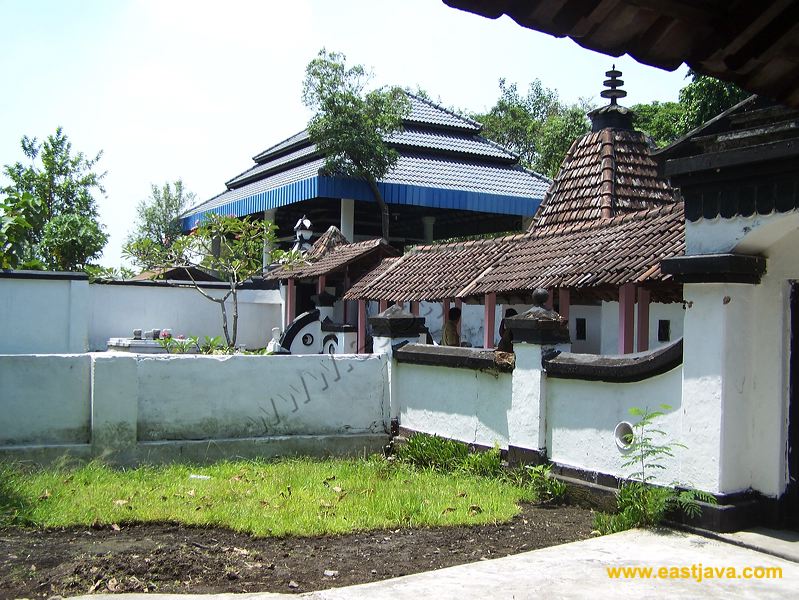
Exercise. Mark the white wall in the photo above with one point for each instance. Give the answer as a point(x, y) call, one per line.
point(43, 315)
point(593, 328)
point(672, 311)
point(201, 397)
point(462, 404)
point(44, 399)
point(57, 316)
point(116, 310)
point(582, 415)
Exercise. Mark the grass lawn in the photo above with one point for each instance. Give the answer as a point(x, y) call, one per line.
point(287, 497)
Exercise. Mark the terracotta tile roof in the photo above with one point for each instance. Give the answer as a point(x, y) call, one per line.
point(627, 248)
point(332, 255)
point(609, 168)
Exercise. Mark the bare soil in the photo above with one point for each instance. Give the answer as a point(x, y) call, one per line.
point(171, 558)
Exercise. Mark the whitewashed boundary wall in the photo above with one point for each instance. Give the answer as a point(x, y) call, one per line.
point(60, 313)
point(145, 408)
point(463, 404)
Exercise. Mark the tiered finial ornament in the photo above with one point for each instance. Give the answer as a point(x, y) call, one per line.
point(303, 232)
point(614, 84)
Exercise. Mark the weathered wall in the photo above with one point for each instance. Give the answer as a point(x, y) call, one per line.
point(116, 310)
point(52, 314)
point(582, 416)
point(133, 408)
point(464, 404)
point(44, 315)
point(672, 312)
point(45, 399)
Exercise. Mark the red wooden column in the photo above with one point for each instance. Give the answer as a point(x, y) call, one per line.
point(383, 305)
point(320, 284)
point(444, 314)
point(564, 302)
point(626, 317)
point(459, 304)
point(361, 326)
point(550, 299)
point(415, 309)
point(643, 319)
point(291, 295)
point(490, 306)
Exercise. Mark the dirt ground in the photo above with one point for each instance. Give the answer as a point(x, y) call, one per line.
point(175, 558)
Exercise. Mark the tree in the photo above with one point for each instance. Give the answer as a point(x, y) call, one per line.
point(350, 125)
point(62, 183)
point(158, 216)
point(537, 126)
point(661, 121)
point(18, 214)
point(705, 97)
point(70, 240)
point(232, 248)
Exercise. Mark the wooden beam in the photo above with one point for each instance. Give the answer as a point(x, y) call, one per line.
point(626, 317)
point(383, 305)
point(549, 303)
point(643, 319)
point(459, 304)
point(564, 302)
point(361, 326)
point(489, 318)
point(415, 309)
point(320, 284)
point(291, 302)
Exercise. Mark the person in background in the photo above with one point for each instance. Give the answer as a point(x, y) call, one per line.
point(450, 337)
point(505, 334)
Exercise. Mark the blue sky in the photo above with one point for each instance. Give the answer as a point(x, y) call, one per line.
point(194, 89)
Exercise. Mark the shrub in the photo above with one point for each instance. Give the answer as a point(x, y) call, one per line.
point(548, 490)
point(431, 451)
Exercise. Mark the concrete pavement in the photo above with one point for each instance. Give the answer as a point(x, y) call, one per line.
point(580, 570)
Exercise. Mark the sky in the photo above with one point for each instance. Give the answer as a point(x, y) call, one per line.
point(193, 89)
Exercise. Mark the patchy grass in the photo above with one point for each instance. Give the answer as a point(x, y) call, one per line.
point(287, 497)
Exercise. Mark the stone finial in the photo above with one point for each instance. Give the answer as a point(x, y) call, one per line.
point(613, 84)
point(395, 322)
point(613, 115)
point(539, 325)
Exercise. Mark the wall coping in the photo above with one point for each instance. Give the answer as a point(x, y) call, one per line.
point(477, 359)
point(51, 275)
point(626, 368)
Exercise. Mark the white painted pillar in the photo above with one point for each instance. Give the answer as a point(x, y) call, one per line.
point(291, 301)
point(428, 223)
point(347, 223)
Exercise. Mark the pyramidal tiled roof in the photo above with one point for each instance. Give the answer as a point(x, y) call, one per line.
point(605, 174)
point(437, 149)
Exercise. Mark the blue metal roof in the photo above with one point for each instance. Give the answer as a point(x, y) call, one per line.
point(443, 163)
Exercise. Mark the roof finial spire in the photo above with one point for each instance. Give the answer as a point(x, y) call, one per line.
point(613, 83)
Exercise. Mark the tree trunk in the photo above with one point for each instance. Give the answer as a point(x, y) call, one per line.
point(224, 321)
point(381, 204)
point(235, 314)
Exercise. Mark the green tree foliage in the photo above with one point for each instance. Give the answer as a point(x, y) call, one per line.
point(158, 216)
point(537, 126)
point(705, 97)
point(62, 183)
point(661, 121)
point(229, 247)
point(70, 241)
point(19, 213)
point(350, 125)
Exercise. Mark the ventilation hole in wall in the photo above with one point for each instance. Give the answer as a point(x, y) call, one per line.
point(664, 330)
point(579, 329)
point(624, 435)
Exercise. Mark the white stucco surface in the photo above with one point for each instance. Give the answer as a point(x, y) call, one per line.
point(582, 415)
point(43, 316)
point(203, 397)
point(672, 311)
point(44, 399)
point(462, 404)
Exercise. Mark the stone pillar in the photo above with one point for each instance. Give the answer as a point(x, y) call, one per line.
point(428, 223)
point(389, 328)
point(348, 219)
point(536, 333)
point(626, 318)
point(643, 319)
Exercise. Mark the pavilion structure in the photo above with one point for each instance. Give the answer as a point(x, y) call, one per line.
point(449, 181)
point(604, 226)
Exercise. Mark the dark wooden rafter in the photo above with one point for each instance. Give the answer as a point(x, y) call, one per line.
point(749, 43)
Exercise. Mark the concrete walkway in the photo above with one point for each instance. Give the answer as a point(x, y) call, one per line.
point(579, 570)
